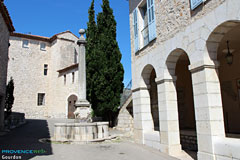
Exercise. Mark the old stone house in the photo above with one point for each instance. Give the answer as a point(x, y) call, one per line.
point(6, 27)
point(45, 74)
point(186, 77)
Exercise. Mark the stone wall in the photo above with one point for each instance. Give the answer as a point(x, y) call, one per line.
point(26, 66)
point(125, 117)
point(172, 17)
point(62, 55)
point(4, 40)
point(199, 37)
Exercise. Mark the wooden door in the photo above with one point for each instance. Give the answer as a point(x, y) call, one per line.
point(71, 106)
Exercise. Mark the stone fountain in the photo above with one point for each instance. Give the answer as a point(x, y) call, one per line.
point(81, 129)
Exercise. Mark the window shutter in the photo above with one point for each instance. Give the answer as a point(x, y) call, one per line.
point(195, 3)
point(151, 19)
point(135, 27)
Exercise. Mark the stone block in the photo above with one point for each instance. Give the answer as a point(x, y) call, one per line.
point(221, 13)
point(209, 113)
point(152, 136)
point(166, 105)
point(169, 125)
point(210, 127)
point(170, 114)
point(148, 143)
point(175, 150)
point(227, 147)
point(218, 157)
point(207, 100)
point(205, 143)
point(205, 156)
point(145, 116)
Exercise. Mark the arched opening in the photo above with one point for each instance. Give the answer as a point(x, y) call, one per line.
point(186, 115)
point(149, 76)
point(71, 106)
point(177, 64)
point(228, 72)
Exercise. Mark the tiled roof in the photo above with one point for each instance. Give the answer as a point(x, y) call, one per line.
point(6, 16)
point(41, 38)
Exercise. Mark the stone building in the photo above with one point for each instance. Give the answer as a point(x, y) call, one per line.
point(6, 27)
point(45, 74)
point(186, 77)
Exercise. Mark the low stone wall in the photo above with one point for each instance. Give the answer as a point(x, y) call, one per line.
point(81, 132)
point(14, 120)
point(189, 140)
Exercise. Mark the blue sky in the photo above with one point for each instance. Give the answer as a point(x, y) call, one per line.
point(48, 17)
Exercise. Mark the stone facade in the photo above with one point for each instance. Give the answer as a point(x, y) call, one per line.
point(27, 64)
point(6, 28)
point(197, 37)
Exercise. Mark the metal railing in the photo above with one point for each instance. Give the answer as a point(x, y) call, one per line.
point(145, 34)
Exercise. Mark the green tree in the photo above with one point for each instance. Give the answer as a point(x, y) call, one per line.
point(91, 59)
point(9, 100)
point(111, 69)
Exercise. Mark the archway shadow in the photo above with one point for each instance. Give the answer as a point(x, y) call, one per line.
point(27, 137)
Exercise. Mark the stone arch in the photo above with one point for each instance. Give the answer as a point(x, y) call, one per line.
point(180, 82)
point(216, 37)
point(171, 61)
point(149, 76)
point(146, 72)
point(228, 74)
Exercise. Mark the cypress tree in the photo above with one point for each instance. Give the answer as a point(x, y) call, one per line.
point(91, 59)
point(111, 69)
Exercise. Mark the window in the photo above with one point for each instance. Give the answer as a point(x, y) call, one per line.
point(73, 77)
point(65, 79)
point(195, 3)
point(145, 32)
point(151, 19)
point(45, 69)
point(144, 21)
point(135, 27)
point(75, 57)
point(25, 44)
point(41, 99)
point(43, 46)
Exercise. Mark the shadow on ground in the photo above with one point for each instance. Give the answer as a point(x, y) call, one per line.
point(27, 137)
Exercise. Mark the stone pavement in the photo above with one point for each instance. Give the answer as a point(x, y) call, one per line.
point(27, 138)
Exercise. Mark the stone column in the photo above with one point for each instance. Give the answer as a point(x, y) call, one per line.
point(168, 115)
point(142, 113)
point(208, 108)
point(82, 105)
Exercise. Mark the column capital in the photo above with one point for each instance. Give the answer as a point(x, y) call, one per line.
point(201, 65)
point(139, 88)
point(194, 69)
point(163, 80)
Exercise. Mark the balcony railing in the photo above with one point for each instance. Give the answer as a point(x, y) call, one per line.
point(145, 35)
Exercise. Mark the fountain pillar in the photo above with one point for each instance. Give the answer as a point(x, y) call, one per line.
point(83, 107)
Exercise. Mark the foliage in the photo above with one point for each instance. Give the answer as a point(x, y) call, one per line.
point(9, 100)
point(106, 71)
point(91, 55)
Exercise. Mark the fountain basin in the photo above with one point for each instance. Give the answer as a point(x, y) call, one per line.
point(81, 132)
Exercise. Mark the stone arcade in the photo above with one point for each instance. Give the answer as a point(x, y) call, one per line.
point(184, 87)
